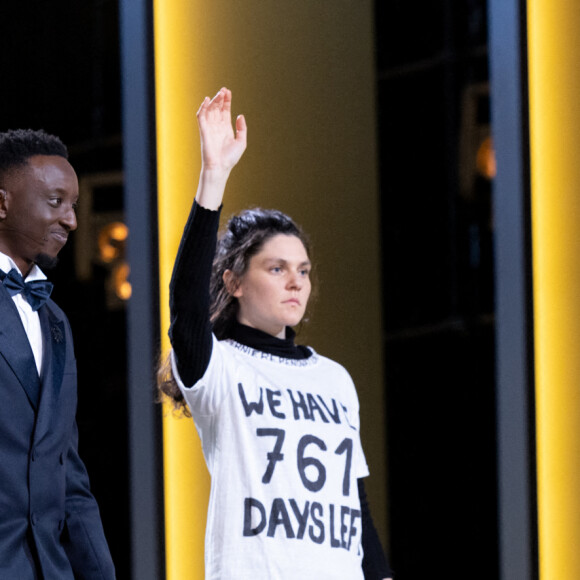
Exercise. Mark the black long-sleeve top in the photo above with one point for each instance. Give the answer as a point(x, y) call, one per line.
point(191, 337)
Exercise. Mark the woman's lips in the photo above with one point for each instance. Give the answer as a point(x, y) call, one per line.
point(292, 301)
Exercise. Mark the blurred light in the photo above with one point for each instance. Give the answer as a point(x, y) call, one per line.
point(485, 160)
point(121, 281)
point(111, 241)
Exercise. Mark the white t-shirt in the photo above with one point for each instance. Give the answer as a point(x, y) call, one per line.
point(281, 441)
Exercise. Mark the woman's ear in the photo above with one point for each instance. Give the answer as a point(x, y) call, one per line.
point(232, 284)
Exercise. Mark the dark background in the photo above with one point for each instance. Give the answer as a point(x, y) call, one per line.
point(438, 289)
point(60, 70)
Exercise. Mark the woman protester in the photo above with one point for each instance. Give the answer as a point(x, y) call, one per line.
point(279, 423)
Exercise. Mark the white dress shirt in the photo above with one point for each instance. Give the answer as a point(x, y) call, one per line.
point(30, 319)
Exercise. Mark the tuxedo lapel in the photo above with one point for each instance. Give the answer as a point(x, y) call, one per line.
point(15, 348)
point(54, 356)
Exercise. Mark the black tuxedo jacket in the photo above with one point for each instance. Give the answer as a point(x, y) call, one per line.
point(47, 512)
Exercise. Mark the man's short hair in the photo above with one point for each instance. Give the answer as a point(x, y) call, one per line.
point(18, 145)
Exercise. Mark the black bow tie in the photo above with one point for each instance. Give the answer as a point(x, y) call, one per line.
point(36, 292)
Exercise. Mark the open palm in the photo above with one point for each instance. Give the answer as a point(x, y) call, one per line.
point(221, 147)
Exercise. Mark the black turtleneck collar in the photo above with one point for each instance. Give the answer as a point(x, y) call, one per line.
point(264, 342)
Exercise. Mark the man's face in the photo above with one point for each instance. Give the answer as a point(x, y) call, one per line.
point(37, 210)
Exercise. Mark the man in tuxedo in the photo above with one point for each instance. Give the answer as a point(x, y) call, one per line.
point(50, 527)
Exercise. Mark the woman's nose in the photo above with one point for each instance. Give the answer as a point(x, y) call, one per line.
point(294, 280)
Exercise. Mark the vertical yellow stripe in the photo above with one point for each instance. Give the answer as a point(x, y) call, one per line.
point(186, 479)
point(554, 87)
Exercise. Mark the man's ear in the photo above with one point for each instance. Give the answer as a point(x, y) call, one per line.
point(232, 284)
point(3, 207)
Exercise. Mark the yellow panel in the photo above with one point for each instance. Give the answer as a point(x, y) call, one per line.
point(554, 84)
point(186, 478)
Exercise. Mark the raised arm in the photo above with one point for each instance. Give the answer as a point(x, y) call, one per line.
point(190, 330)
point(221, 147)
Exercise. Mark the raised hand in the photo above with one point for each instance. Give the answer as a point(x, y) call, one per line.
point(221, 148)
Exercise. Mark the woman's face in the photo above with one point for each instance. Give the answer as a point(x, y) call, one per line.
point(274, 291)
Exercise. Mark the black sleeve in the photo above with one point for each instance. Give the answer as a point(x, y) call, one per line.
point(190, 328)
point(375, 564)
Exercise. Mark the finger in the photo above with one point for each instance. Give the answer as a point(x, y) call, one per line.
point(241, 129)
point(227, 102)
point(216, 102)
point(203, 106)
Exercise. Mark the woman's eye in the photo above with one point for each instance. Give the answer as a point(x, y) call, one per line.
point(276, 269)
point(55, 202)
